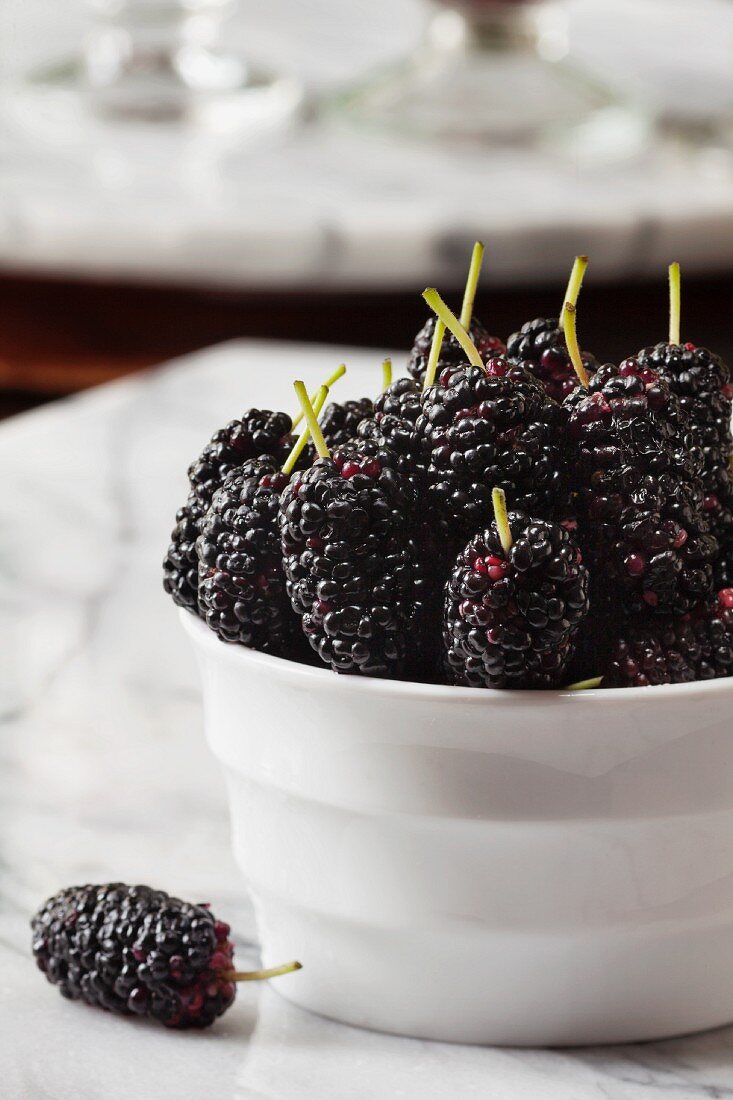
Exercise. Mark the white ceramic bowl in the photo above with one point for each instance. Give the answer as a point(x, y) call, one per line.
point(480, 866)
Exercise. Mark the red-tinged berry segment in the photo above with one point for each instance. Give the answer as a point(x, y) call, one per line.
point(136, 951)
point(698, 646)
point(636, 478)
point(511, 618)
point(259, 432)
point(483, 429)
point(350, 563)
point(451, 353)
point(393, 424)
point(540, 346)
point(242, 592)
point(702, 382)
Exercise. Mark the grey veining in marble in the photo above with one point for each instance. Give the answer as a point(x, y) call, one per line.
point(104, 774)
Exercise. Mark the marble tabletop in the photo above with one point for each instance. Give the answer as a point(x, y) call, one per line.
point(329, 206)
point(104, 775)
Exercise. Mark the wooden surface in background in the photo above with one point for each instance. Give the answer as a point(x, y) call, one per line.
point(58, 336)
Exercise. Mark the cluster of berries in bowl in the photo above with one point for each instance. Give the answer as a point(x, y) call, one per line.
point(506, 515)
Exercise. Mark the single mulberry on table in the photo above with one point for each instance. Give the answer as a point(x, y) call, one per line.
point(135, 951)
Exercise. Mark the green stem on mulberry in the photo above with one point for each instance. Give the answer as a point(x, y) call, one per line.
point(311, 420)
point(386, 373)
point(259, 975)
point(338, 373)
point(434, 357)
point(318, 403)
point(469, 294)
point(571, 339)
point(675, 303)
point(574, 284)
point(451, 322)
point(498, 499)
point(585, 685)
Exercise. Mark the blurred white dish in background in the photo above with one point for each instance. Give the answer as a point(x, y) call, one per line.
point(161, 61)
point(515, 868)
point(498, 72)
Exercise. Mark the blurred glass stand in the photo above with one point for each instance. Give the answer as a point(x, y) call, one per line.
point(151, 77)
point(499, 72)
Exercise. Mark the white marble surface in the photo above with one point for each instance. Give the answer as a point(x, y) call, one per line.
point(326, 207)
point(104, 774)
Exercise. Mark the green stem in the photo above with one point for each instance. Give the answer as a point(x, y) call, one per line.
point(433, 358)
point(585, 685)
point(299, 447)
point(571, 339)
point(338, 373)
point(451, 322)
point(259, 975)
point(498, 499)
point(386, 373)
point(574, 284)
point(311, 420)
point(469, 294)
point(675, 303)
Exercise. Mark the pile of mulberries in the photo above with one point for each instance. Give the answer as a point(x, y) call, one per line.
point(380, 559)
point(136, 951)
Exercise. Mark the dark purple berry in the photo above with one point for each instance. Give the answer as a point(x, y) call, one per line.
point(242, 592)
point(489, 428)
point(259, 432)
point(351, 566)
point(636, 480)
point(136, 951)
point(511, 619)
point(697, 646)
point(540, 346)
point(451, 352)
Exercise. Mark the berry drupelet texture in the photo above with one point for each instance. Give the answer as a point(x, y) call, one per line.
point(636, 479)
point(702, 382)
point(350, 563)
point(180, 565)
point(392, 424)
point(451, 352)
point(698, 646)
point(540, 346)
point(510, 618)
point(242, 592)
point(482, 429)
point(340, 421)
point(259, 432)
point(136, 951)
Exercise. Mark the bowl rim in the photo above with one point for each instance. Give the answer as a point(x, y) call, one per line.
point(323, 678)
